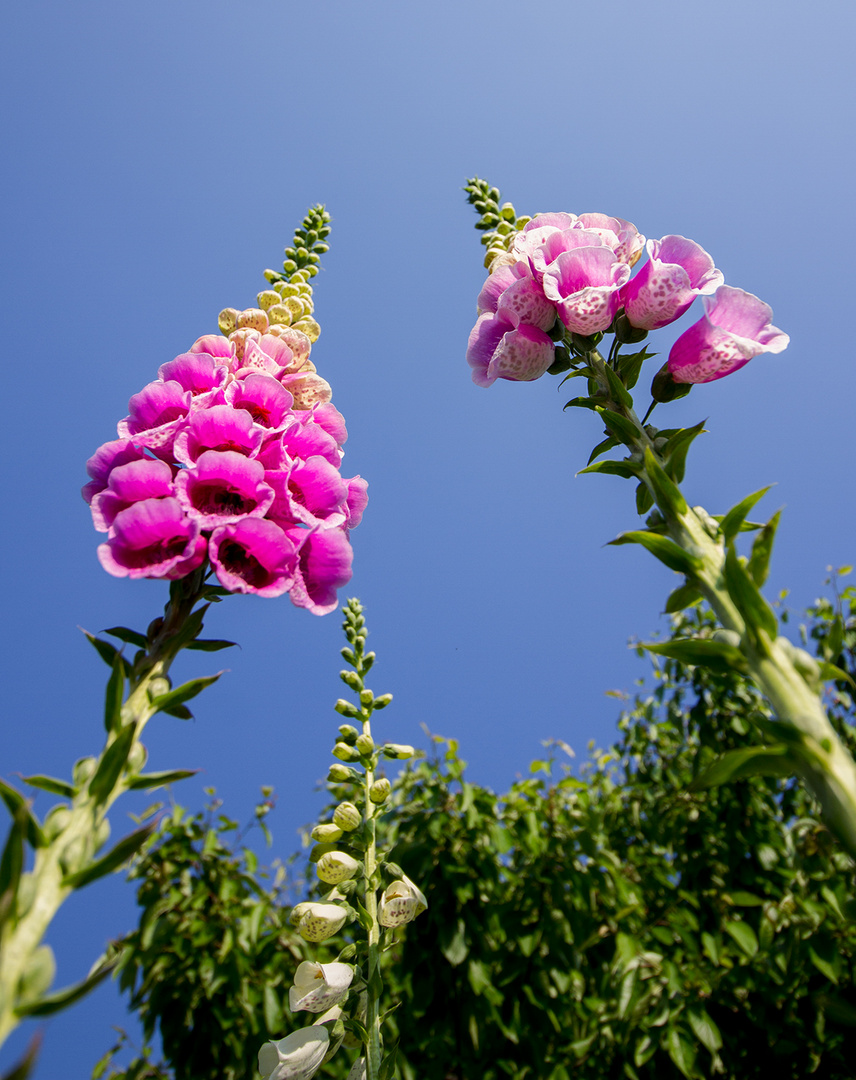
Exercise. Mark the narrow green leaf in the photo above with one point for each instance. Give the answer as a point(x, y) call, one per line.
point(131, 637)
point(387, 1066)
point(623, 429)
point(741, 898)
point(189, 630)
point(272, 1009)
point(616, 468)
point(683, 597)
point(115, 858)
point(744, 936)
point(581, 403)
point(618, 390)
point(12, 864)
point(160, 779)
point(666, 550)
point(105, 650)
point(210, 644)
point(703, 652)
point(747, 761)
point(114, 696)
point(112, 763)
point(666, 493)
point(53, 1003)
point(674, 453)
point(762, 549)
point(51, 784)
point(705, 1029)
point(24, 1067)
point(644, 499)
point(730, 525)
point(682, 1052)
point(602, 448)
point(630, 366)
point(833, 673)
point(755, 610)
point(823, 966)
point(188, 690)
point(17, 804)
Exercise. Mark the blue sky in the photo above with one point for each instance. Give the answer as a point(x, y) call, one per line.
point(157, 158)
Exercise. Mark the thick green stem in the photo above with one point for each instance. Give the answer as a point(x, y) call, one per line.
point(820, 756)
point(373, 1049)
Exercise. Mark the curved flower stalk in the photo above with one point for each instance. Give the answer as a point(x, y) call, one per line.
point(346, 857)
point(736, 327)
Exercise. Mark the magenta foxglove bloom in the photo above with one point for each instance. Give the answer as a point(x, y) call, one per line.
point(196, 372)
point(153, 538)
point(310, 493)
point(358, 500)
point(498, 349)
point(678, 270)
point(584, 285)
point(264, 398)
point(218, 428)
point(104, 460)
point(129, 484)
point(620, 235)
point(253, 556)
point(223, 487)
point(324, 566)
point(736, 326)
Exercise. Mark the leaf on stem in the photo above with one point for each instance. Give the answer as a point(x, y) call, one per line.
point(747, 761)
point(630, 366)
point(683, 597)
point(170, 701)
point(627, 469)
point(730, 525)
point(114, 696)
point(387, 1066)
point(53, 1003)
point(619, 392)
point(159, 779)
point(756, 612)
point(51, 784)
point(666, 550)
point(129, 845)
point(717, 656)
point(675, 451)
point(211, 645)
point(112, 763)
point(105, 650)
point(622, 428)
point(602, 448)
point(17, 804)
point(666, 492)
point(131, 637)
point(12, 865)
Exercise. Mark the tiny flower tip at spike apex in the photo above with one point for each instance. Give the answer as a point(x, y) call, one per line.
point(318, 987)
point(296, 1057)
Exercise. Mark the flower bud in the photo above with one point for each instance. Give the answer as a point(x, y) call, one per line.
point(326, 833)
point(664, 388)
point(308, 325)
point(400, 903)
point(267, 299)
point(159, 685)
point(398, 751)
point(351, 679)
point(83, 770)
point(627, 334)
point(336, 866)
point(321, 921)
point(382, 701)
point(227, 320)
point(348, 953)
point(252, 319)
point(393, 869)
point(365, 745)
point(348, 734)
point(346, 708)
point(56, 821)
point(138, 757)
point(347, 817)
point(319, 850)
point(344, 752)
point(102, 834)
point(727, 637)
point(366, 698)
point(279, 315)
point(342, 774)
point(272, 276)
point(380, 790)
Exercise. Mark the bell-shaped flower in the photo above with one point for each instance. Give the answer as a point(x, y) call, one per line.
point(265, 399)
point(222, 488)
point(678, 270)
point(253, 555)
point(214, 345)
point(622, 236)
point(497, 349)
point(329, 417)
point(523, 303)
point(106, 458)
point(537, 231)
point(319, 986)
point(305, 439)
point(156, 415)
point(400, 903)
point(310, 492)
point(197, 372)
point(336, 866)
point(153, 538)
point(324, 566)
point(150, 478)
point(736, 326)
point(296, 1057)
point(317, 922)
point(584, 285)
point(218, 428)
point(557, 243)
point(358, 500)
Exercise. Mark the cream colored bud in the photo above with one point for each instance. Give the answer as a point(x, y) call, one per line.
point(83, 770)
point(398, 751)
point(344, 752)
point(227, 320)
point(326, 832)
point(380, 790)
point(336, 866)
point(239, 339)
point(138, 757)
point(279, 315)
point(309, 327)
point(267, 299)
point(252, 319)
point(321, 921)
point(347, 816)
point(56, 821)
point(309, 390)
point(365, 745)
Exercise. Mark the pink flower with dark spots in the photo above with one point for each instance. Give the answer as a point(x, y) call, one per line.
point(129, 484)
point(584, 285)
point(253, 556)
point(736, 326)
point(222, 488)
point(214, 345)
point(267, 356)
point(678, 270)
point(537, 231)
point(560, 242)
point(106, 458)
point(310, 493)
point(523, 303)
point(153, 539)
point(219, 428)
point(497, 349)
point(196, 372)
point(266, 400)
point(157, 414)
point(324, 566)
point(622, 236)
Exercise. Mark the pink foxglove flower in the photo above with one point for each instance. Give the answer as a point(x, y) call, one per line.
point(736, 326)
point(584, 285)
point(324, 565)
point(222, 488)
point(253, 556)
point(678, 270)
point(150, 478)
point(153, 538)
point(499, 349)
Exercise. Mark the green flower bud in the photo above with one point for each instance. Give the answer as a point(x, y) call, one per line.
point(326, 832)
point(56, 821)
point(336, 866)
point(348, 953)
point(348, 734)
point(342, 774)
point(347, 816)
point(382, 701)
point(38, 976)
point(289, 266)
point(398, 751)
point(137, 758)
point(727, 637)
point(344, 752)
point(366, 698)
point(267, 299)
point(365, 745)
point(83, 770)
point(380, 790)
point(73, 857)
point(158, 686)
point(627, 334)
point(664, 388)
point(346, 708)
point(272, 276)
point(351, 679)
point(227, 320)
point(393, 869)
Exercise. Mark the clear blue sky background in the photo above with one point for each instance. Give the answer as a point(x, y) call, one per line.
point(156, 159)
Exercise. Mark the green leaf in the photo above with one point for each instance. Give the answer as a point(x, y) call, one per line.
point(12, 864)
point(644, 499)
point(581, 403)
point(616, 468)
point(759, 561)
point(617, 389)
point(630, 366)
point(17, 804)
point(824, 966)
point(705, 1029)
point(387, 1066)
point(833, 673)
point(602, 448)
point(623, 429)
point(730, 525)
point(112, 763)
point(683, 597)
point(23, 1068)
point(666, 493)
point(674, 453)
point(160, 779)
point(743, 935)
point(682, 1052)
point(703, 652)
point(173, 698)
point(272, 1009)
point(105, 650)
point(114, 695)
point(756, 612)
point(53, 1003)
point(117, 856)
point(666, 550)
point(51, 784)
point(747, 761)
point(131, 637)
point(210, 644)
point(456, 948)
point(189, 630)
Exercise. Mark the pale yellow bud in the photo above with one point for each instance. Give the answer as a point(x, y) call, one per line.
point(380, 790)
point(347, 816)
point(279, 315)
point(227, 320)
point(309, 327)
point(267, 299)
point(336, 866)
point(252, 319)
point(239, 338)
point(326, 832)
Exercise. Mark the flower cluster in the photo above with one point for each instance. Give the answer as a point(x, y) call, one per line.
point(566, 275)
point(232, 455)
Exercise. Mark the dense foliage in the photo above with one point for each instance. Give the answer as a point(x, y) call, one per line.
point(620, 921)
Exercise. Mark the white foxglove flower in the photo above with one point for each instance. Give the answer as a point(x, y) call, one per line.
point(318, 922)
point(296, 1057)
point(319, 986)
point(400, 903)
point(336, 866)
